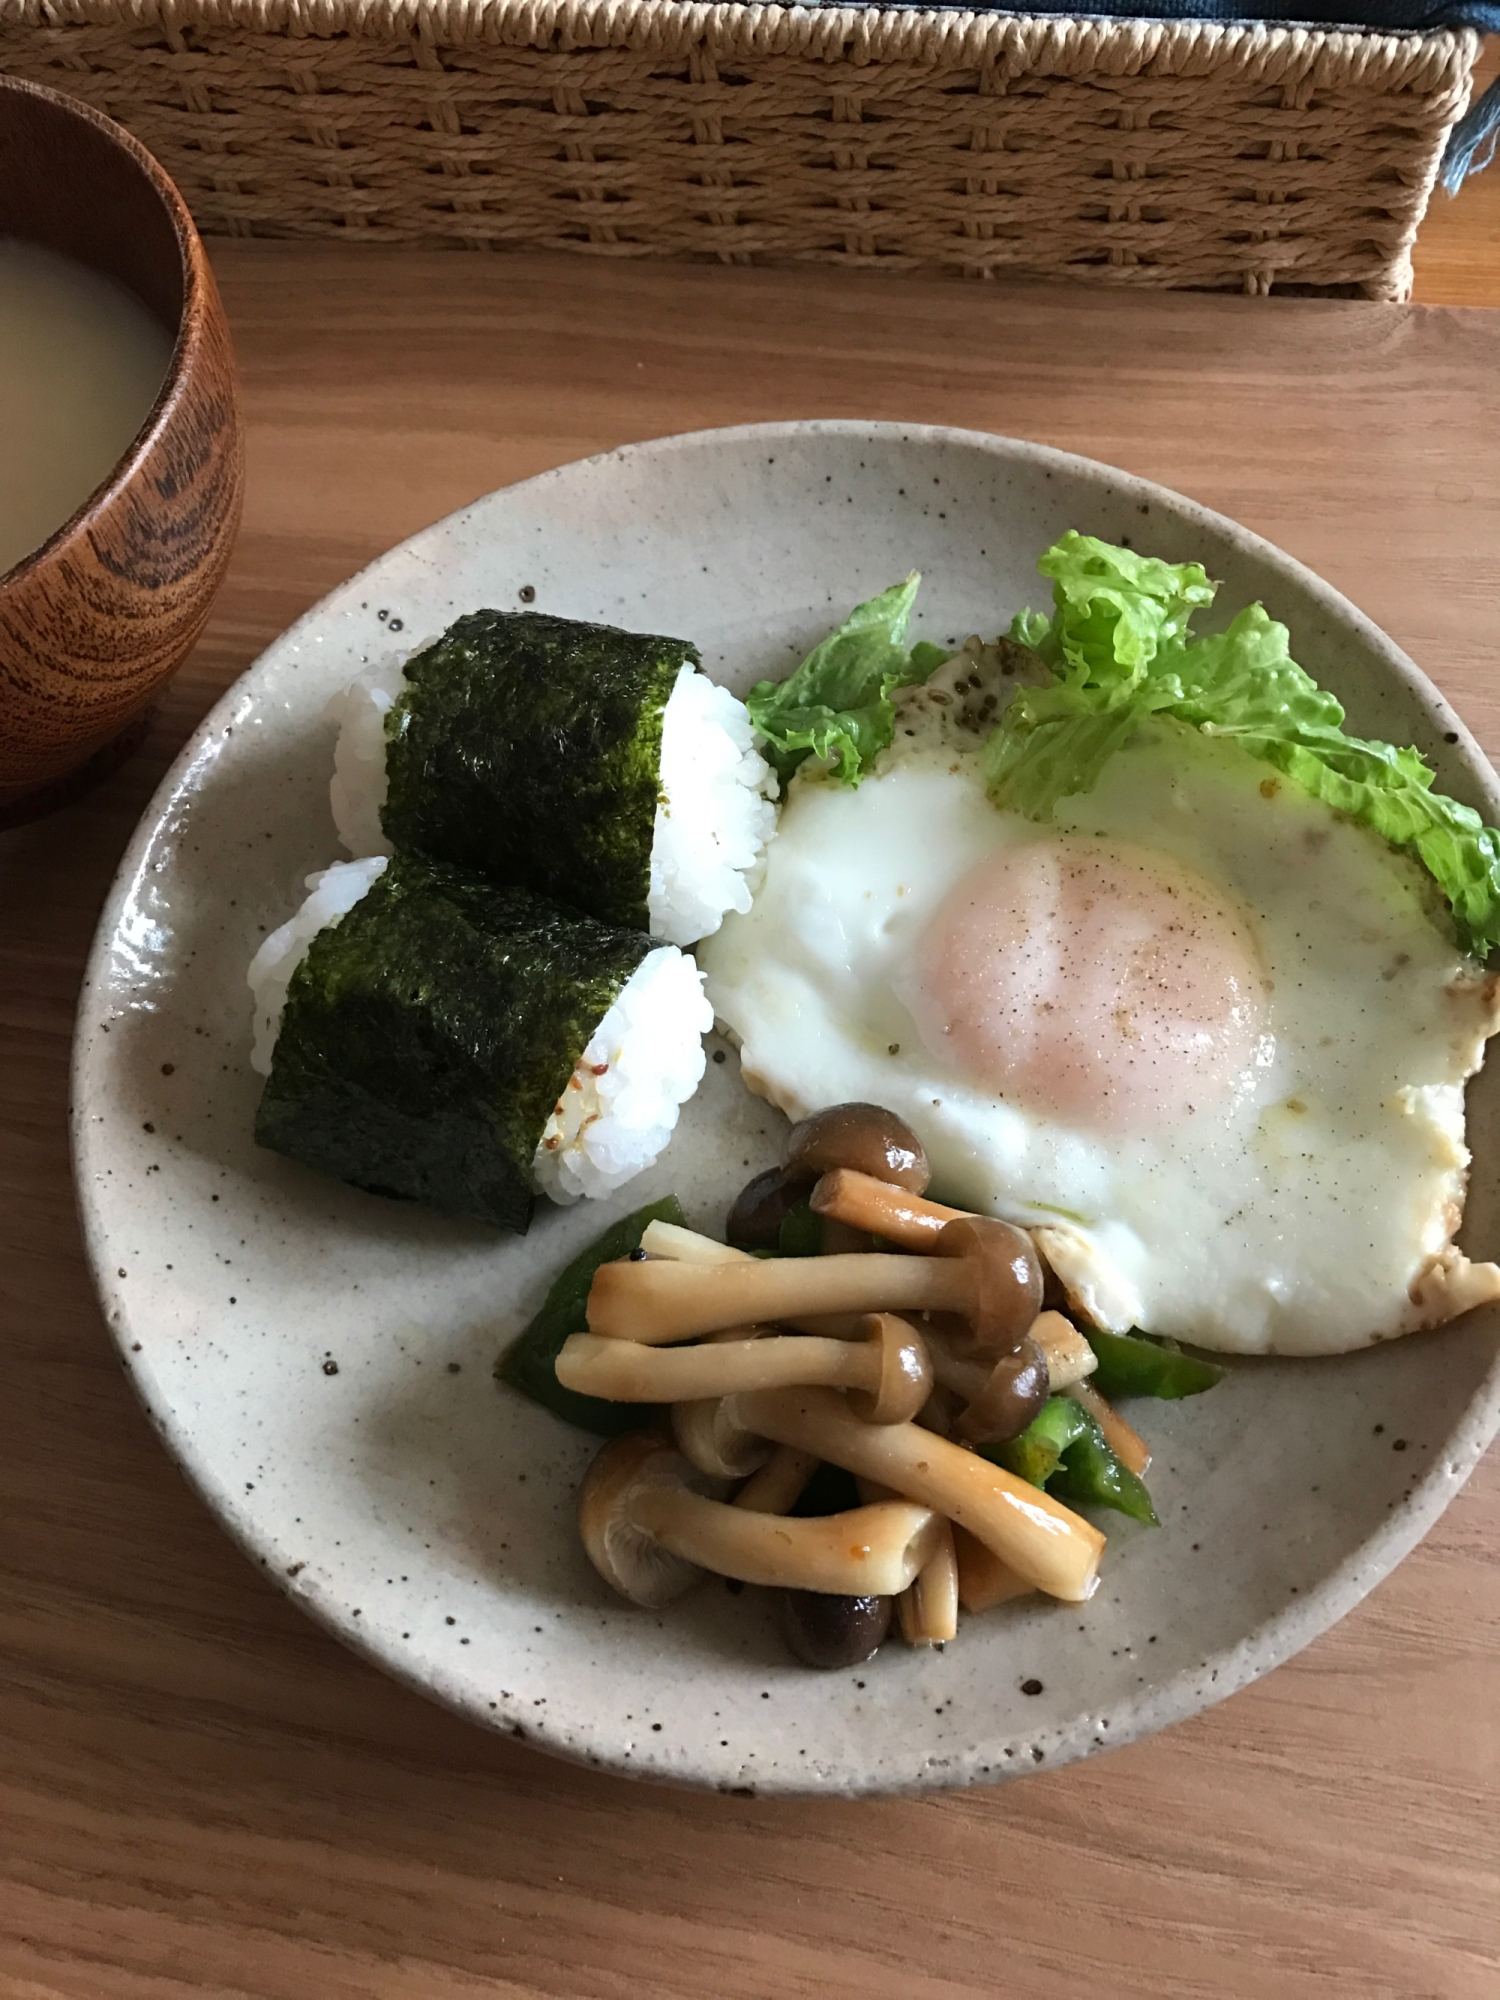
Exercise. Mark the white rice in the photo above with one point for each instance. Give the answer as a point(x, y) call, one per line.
point(715, 814)
point(620, 1105)
point(714, 817)
point(358, 788)
point(335, 891)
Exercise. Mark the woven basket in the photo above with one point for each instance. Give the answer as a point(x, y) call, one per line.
point(1142, 152)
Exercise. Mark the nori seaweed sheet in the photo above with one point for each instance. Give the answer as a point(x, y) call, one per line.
point(528, 747)
point(428, 1033)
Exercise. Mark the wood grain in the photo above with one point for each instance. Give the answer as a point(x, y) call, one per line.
point(1457, 256)
point(200, 1794)
point(104, 612)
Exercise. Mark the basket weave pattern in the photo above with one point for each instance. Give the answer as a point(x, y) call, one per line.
point(1182, 154)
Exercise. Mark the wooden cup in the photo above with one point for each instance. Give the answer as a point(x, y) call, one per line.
point(95, 621)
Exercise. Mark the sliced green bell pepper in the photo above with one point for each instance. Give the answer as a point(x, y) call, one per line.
point(1036, 1453)
point(1063, 1450)
point(530, 1362)
point(1129, 1366)
point(1090, 1472)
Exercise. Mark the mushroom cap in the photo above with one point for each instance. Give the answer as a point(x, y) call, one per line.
point(631, 1561)
point(761, 1206)
point(864, 1136)
point(710, 1438)
point(905, 1380)
point(1016, 1388)
point(1008, 1279)
point(937, 1414)
point(826, 1631)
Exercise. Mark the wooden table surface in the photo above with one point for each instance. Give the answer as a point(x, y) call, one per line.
point(200, 1793)
point(1457, 255)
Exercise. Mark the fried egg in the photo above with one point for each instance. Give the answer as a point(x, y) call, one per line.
point(1205, 1037)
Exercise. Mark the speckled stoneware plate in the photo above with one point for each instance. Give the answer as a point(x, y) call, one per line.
point(320, 1360)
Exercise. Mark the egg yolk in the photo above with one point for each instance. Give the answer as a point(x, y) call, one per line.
point(1108, 985)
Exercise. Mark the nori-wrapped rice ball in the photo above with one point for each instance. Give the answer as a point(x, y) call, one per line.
point(591, 764)
point(451, 1041)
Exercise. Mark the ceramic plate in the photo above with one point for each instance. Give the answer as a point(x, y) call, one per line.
point(319, 1360)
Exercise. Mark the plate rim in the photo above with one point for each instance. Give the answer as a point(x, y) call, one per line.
point(1185, 1694)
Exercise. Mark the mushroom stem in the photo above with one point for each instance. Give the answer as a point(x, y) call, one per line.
point(685, 1246)
point(780, 1483)
point(927, 1611)
point(1069, 1356)
point(1123, 1439)
point(708, 1437)
point(881, 1210)
point(983, 1579)
point(928, 1608)
point(1046, 1544)
point(866, 1552)
point(889, 1368)
point(657, 1302)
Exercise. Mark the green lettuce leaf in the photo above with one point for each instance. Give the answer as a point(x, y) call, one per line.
point(1120, 650)
point(1115, 611)
point(837, 705)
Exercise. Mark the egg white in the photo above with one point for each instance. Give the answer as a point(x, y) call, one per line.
point(1311, 1212)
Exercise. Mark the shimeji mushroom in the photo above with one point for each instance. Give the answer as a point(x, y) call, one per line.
point(761, 1206)
point(710, 1436)
point(780, 1483)
point(1007, 1399)
point(650, 1534)
point(1001, 1397)
point(1043, 1542)
point(927, 1609)
point(1067, 1355)
point(826, 1631)
point(881, 1209)
point(821, 1629)
point(984, 1580)
point(941, 1408)
point(686, 1246)
point(987, 1271)
point(865, 1137)
point(844, 1135)
point(669, 1241)
point(886, 1370)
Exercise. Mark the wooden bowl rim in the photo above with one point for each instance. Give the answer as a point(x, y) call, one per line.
point(186, 344)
